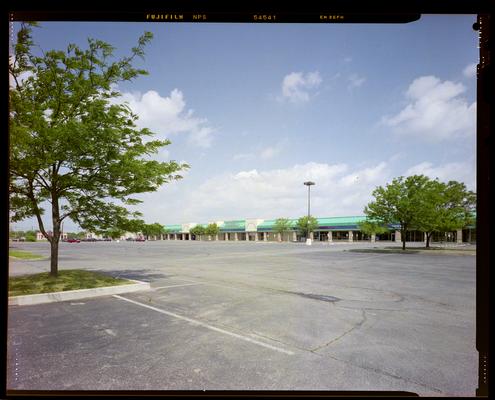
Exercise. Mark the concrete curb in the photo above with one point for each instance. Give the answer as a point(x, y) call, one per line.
point(77, 294)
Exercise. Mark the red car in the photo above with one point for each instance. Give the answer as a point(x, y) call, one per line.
point(73, 241)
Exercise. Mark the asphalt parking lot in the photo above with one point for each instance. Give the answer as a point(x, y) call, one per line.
point(252, 316)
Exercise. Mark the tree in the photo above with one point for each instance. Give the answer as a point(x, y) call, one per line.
point(165, 231)
point(80, 235)
point(30, 236)
point(154, 229)
point(448, 206)
point(197, 231)
point(370, 227)
point(402, 202)
point(306, 225)
point(72, 144)
point(212, 229)
point(114, 233)
point(282, 225)
point(17, 234)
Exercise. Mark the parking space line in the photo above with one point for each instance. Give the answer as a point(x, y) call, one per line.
point(213, 328)
point(184, 284)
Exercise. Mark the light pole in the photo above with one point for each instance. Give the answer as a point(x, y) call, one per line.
point(309, 184)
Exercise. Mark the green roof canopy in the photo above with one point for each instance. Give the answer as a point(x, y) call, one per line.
point(270, 223)
point(174, 228)
point(340, 220)
point(238, 225)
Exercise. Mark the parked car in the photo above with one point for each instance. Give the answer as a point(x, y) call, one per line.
point(140, 240)
point(72, 240)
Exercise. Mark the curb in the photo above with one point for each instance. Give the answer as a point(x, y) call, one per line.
point(41, 298)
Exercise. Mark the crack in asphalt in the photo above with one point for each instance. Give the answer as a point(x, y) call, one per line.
point(383, 372)
point(355, 326)
point(314, 352)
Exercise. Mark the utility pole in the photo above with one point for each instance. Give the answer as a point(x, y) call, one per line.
point(309, 184)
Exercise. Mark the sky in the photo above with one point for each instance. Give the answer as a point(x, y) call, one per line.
point(258, 109)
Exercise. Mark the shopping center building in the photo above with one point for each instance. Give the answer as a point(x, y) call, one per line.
point(329, 229)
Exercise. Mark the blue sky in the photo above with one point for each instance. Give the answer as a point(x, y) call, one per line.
point(256, 109)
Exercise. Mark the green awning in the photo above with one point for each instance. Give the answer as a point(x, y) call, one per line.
point(233, 226)
point(173, 228)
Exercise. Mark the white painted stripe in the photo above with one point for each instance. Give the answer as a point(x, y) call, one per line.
point(213, 328)
point(184, 284)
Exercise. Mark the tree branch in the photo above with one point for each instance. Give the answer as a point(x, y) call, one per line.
point(37, 212)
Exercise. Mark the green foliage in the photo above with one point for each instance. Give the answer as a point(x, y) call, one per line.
point(79, 235)
point(417, 202)
point(400, 202)
point(306, 225)
point(370, 227)
point(71, 142)
point(198, 230)
point(448, 207)
point(30, 237)
point(133, 225)
point(282, 225)
point(154, 229)
point(17, 234)
point(114, 233)
point(212, 229)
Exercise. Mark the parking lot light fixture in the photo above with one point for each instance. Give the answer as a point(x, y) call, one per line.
point(309, 184)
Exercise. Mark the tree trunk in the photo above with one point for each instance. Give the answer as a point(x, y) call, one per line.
point(55, 237)
point(403, 238)
point(428, 236)
point(54, 257)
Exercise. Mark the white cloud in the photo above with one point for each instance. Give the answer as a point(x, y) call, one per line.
point(168, 116)
point(340, 190)
point(464, 171)
point(470, 70)
point(280, 192)
point(356, 81)
point(436, 111)
point(297, 86)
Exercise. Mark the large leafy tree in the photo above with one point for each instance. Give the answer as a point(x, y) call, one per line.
point(282, 225)
point(402, 202)
point(448, 207)
point(306, 225)
point(197, 231)
point(154, 229)
point(72, 144)
point(212, 229)
point(370, 227)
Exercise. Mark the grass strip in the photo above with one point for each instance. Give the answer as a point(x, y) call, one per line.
point(66, 280)
point(25, 255)
point(437, 251)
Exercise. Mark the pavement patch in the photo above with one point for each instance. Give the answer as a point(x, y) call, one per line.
point(320, 297)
